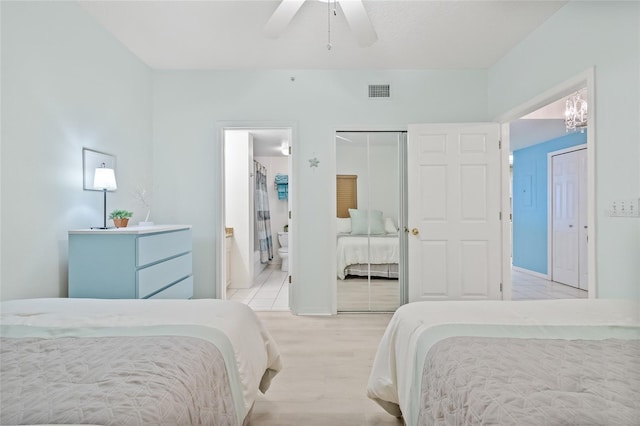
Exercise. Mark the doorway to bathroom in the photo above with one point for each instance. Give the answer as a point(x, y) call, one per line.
point(257, 206)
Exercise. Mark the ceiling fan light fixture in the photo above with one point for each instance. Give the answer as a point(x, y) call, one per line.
point(354, 12)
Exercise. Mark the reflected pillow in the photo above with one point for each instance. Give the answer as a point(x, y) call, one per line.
point(366, 222)
point(389, 226)
point(344, 225)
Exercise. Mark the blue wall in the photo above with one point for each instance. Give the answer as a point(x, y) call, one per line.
point(530, 201)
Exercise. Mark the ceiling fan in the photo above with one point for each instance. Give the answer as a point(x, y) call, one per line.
point(353, 10)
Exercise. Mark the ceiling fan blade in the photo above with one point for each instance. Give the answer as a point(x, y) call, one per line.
point(285, 12)
point(359, 22)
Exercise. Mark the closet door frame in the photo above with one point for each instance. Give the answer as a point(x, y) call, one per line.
point(402, 201)
point(580, 222)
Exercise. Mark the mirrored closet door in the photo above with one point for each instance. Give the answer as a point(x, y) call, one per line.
point(368, 240)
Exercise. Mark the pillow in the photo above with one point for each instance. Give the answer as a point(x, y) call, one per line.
point(389, 226)
point(344, 225)
point(366, 222)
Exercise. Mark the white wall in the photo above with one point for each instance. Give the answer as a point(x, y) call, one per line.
point(239, 204)
point(279, 208)
point(66, 84)
point(189, 105)
point(580, 35)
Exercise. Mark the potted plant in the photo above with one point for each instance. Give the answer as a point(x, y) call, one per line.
point(120, 218)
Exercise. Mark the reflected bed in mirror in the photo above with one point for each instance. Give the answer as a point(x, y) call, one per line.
point(367, 271)
point(375, 255)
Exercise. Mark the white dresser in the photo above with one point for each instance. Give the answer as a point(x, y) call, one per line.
point(131, 263)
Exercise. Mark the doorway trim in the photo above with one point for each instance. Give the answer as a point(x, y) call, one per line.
point(219, 215)
point(550, 156)
point(584, 79)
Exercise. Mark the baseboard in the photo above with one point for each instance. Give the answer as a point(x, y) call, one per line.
point(530, 272)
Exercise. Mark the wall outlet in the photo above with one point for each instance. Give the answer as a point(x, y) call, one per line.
point(624, 208)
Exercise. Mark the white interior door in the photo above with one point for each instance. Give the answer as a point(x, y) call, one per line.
point(454, 216)
point(569, 232)
point(583, 228)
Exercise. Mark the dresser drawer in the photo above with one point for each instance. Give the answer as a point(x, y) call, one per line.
point(180, 290)
point(156, 277)
point(153, 248)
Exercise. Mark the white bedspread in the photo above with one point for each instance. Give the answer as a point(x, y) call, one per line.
point(395, 365)
point(376, 249)
point(254, 348)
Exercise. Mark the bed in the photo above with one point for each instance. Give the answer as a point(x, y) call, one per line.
point(361, 254)
point(511, 362)
point(132, 362)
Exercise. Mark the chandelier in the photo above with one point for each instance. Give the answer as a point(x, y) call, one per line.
point(575, 113)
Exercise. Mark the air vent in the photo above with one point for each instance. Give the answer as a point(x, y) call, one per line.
point(379, 91)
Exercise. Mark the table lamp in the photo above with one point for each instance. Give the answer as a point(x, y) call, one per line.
point(104, 179)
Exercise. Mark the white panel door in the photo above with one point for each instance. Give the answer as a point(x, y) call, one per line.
point(568, 222)
point(453, 213)
point(583, 229)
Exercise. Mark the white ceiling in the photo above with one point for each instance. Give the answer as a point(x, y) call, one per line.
point(554, 110)
point(268, 142)
point(541, 125)
point(411, 34)
point(418, 34)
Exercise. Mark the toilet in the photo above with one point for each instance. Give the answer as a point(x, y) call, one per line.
point(283, 251)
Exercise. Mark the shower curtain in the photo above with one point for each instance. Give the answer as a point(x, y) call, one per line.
point(263, 216)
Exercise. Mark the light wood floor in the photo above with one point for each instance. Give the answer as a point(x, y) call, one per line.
point(327, 361)
point(357, 294)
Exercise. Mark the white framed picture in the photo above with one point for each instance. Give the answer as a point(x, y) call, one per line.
point(92, 159)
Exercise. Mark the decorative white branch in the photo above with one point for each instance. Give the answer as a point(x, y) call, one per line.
point(144, 197)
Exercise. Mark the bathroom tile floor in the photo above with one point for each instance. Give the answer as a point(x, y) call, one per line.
point(269, 292)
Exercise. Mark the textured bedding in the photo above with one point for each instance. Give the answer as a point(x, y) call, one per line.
point(378, 249)
point(161, 380)
point(251, 356)
point(508, 381)
point(395, 382)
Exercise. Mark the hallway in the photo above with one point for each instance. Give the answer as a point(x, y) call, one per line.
point(529, 287)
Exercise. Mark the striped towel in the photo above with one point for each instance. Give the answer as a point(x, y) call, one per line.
point(282, 179)
point(283, 191)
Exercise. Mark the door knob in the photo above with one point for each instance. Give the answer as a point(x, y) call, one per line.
point(415, 231)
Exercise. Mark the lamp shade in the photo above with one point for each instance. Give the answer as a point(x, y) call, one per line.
point(104, 178)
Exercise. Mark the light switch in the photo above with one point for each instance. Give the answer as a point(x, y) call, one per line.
point(624, 208)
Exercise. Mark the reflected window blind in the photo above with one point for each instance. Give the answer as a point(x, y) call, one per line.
point(346, 194)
